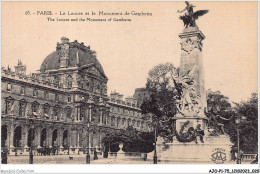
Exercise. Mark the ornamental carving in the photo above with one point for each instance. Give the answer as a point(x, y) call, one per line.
point(189, 44)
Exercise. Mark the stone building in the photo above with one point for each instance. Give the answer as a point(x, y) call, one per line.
point(65, 105)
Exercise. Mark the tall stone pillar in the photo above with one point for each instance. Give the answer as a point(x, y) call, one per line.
point(25, 136)
point(101, 105)
point(50, 137)
point(3, 105)
point(192, 61)
point(60, 138)
point(11, 136)
point(100, 138)
point(90, 103)
point(38, 137)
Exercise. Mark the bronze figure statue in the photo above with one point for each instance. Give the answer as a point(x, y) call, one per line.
point(189, 17)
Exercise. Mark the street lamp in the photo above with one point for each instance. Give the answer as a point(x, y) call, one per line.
point(88, 156)
point(238, 120)
point(31, 152)
point(155, 154)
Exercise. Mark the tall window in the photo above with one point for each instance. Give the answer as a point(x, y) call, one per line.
point(35, 92)
point(35, 107)
point(69, 98)
point(138, 123)
point(68, 112)
point(46, 95)
point(123, 121)
point(46, 110)
point(56, 113)
point(9, 87)
point(118, 121)
point(69, 82)
point(22, 90)
point(22, 108)
point(113, 121)
point(9, 106)
point(133, 123)
point(57, 97)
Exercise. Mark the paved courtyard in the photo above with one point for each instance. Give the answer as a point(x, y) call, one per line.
point(81, 159)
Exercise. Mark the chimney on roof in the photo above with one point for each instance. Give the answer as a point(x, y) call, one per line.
point(20, 68)
point(64, 56)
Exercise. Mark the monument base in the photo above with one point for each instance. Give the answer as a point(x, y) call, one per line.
point(215, 149)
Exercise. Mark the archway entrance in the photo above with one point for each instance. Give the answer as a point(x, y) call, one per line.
point(54, 138)
point(43, 138)
point(30, 137)
point(18, 136)
point(3, 135)
point(65, 142)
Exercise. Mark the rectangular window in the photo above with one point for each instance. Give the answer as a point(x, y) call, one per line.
point(9, 87)
point(57, 97)
point(35, 107)
point(22, 90)
point(46, 95)
point(69, 98)
point(68, 112)
point(46, 110)
point(35, 92)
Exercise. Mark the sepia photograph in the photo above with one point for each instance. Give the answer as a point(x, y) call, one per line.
point(112, 82)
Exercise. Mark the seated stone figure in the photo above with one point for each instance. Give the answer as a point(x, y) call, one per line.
point(199, 133)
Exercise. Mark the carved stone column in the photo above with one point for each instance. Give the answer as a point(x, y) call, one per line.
point(11, 136)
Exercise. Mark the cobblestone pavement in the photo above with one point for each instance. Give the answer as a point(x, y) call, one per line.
point(81, 159)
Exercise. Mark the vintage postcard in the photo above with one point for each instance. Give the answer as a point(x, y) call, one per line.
point(91, 82)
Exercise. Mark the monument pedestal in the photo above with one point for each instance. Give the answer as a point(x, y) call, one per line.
point(190, 152)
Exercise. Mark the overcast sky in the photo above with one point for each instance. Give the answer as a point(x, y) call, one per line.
point(128, 50)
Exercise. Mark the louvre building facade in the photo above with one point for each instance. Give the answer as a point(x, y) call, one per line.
point(65, 105)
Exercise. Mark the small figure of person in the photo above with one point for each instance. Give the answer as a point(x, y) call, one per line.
point(95, 154)
point(233, 156)
point(199, 133)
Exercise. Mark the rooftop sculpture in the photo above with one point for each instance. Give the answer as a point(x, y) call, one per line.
point(189, 17)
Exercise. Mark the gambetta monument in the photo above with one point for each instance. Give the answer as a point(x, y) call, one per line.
point(193, 141)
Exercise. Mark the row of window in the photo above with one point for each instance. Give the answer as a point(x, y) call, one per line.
point(124, 111)
point(35, 109)
point(35, 93)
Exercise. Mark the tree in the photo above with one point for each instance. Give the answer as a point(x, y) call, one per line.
point(219, 111)
point(219, 105)
point(133, 140)
point(164, 93)
point(248, 111)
